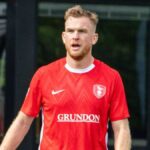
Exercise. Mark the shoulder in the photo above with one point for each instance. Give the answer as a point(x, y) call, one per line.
point(50, 68)
point(105, 69)
point(53, 66)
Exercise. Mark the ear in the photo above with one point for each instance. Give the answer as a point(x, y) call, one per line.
point(95, 38)
point(63, 37)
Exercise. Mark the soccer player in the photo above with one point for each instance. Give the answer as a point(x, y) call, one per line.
point(78, 95)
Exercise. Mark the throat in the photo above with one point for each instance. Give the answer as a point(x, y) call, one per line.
point(79, 64)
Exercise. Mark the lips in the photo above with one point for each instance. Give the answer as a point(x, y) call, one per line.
point(75, 46)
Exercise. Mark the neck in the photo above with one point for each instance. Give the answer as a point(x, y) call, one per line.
point(79, 64)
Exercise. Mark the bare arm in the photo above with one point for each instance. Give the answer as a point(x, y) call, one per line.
point(16, 132)
point(122, 135)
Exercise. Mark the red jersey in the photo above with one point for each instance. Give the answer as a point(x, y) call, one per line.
point(76, 105)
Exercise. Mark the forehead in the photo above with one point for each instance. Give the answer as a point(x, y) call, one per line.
point(78, 22)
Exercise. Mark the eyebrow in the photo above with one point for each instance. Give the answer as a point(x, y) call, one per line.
point(79, 30)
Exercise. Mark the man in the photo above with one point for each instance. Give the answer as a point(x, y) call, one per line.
point(78, 95)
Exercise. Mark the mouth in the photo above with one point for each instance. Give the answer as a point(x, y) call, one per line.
point(75, 46)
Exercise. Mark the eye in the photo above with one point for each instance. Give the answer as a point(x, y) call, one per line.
point(69, 30)
point(82, 31)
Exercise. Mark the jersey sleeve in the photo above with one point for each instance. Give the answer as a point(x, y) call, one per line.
point(118, 104)
point(32, 102)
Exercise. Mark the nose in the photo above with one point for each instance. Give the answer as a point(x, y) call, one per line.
point(76, 35)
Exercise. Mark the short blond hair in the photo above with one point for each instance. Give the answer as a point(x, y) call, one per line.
point(78, 11)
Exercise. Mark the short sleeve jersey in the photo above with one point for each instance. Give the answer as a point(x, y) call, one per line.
point(76, 105)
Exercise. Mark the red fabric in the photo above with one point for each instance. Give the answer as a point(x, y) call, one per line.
point(76, 107)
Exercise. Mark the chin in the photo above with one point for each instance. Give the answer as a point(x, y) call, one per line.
point(77, 57)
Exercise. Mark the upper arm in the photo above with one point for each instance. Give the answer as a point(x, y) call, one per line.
point(121, 129)
point(24, 119)
point(33, 99)
point(120, 124)
point(121, 132)
point(118, 102)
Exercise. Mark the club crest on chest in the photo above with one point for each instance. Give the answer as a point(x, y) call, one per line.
point(99, 90)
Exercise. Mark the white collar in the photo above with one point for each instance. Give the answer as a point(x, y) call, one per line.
point(75, 70)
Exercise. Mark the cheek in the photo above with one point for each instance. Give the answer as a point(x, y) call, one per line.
point(66, 44)
point(66, 39)
point(88, 41)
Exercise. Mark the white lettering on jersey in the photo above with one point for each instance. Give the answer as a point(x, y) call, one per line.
point(93, 118)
